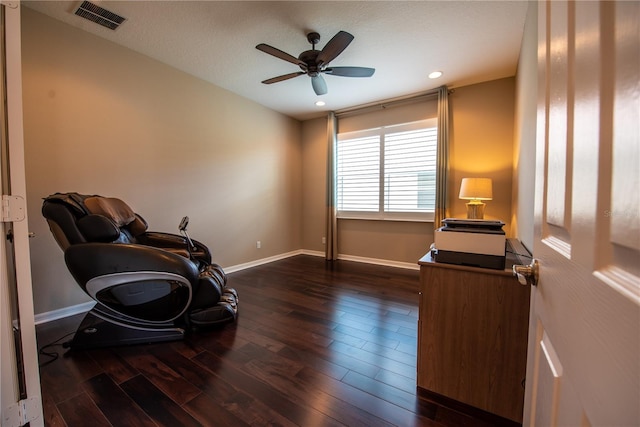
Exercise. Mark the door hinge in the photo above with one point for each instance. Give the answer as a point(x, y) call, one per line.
point(21, 413)
point(13, 208)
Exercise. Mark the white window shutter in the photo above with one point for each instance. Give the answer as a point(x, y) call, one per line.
point(388, 172)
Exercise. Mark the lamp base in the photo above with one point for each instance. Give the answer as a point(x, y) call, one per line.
point(475, 210)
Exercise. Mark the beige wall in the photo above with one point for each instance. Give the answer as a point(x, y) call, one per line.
point(399, 241)
point(102, 119)
point(524, 147)
point(481, 145)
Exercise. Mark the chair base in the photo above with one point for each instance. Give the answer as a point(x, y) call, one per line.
point(98, 329)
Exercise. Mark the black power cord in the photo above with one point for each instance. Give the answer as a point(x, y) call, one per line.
point(54, 354)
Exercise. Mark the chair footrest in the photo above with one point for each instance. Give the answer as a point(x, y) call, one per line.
point(225, 311)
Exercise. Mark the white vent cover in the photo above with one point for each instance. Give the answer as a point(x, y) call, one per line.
point(99, 15)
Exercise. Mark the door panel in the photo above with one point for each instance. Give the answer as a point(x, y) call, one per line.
point(558, 198)
point(583, 353)
point(549, 375)
point(625, 226)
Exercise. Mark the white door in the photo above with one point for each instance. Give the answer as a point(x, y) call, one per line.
point(20, 380)
point(584, 342)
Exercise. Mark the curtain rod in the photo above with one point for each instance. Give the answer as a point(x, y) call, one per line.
point(388, 103)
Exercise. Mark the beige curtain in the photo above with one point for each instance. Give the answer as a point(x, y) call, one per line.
point(442, 165)
point(331, 248)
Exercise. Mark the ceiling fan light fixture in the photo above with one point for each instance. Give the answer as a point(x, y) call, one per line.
point(435, 74)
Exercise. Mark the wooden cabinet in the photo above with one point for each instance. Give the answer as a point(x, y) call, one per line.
point(472, 336)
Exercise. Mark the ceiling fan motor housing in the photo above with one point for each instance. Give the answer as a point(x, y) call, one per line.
point(309, 57)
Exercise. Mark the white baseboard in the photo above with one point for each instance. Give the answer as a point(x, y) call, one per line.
point(84, 307)
point(385, 262)
point(63, 312)
point(312, 253)
point(376, 261)
point(255, 263)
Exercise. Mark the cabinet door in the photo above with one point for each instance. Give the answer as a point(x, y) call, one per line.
point(473, 338)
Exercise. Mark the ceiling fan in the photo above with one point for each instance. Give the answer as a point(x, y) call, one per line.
point(315, 62)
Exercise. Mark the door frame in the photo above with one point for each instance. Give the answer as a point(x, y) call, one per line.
point(29, 408)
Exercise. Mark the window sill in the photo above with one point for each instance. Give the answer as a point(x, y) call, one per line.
point(364, 218)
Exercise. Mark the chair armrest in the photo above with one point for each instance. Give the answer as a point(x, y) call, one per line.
point(175, 243)
point(88, 260)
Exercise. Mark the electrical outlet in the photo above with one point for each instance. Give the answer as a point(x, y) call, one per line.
point(324, 240)
point(258, 244)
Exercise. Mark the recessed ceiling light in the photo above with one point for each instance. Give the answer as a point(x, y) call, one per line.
point(320, 103)
point(435, 74)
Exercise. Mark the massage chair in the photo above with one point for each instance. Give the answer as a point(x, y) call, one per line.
point(148, 286)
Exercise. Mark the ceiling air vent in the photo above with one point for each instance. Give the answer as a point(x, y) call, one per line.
point(99, 15)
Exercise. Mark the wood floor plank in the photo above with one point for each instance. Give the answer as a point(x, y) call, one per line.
point(395, 380)
point(386, 341)
point(261, 340)
point(209, 412)
point(315, 397)
point(225, 395)
point(81, 410)
point(314, 362)
point(372, 320)
point(52, 416)
point(391, 394)
point(116, 406)
point(187, 348)
point(192, 372)
point(390, 353)
point(408, 348)
point(317, 334)
point(161, 375)
point(385, 333)
point(374, 359)
point(156, 404)
point(340, 359)
point(303, 323)
point(63, 377)
point(292, 298)
point(267, 394)
point(277, 371)
point(116, 367)
point(374, 405)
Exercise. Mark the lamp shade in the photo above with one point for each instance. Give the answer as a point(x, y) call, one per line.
point(476, 189)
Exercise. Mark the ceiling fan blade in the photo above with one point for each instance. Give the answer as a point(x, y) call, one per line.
point(350, 71)
point(319, 85)
point(280, 54)
point(336, 45)
point(283, 77)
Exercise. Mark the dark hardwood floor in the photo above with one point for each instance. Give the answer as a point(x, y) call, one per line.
point(315, 344)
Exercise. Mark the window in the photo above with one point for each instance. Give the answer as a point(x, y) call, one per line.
point(388, 172)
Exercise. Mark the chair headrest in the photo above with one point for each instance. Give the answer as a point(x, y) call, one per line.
point(114, 209)
point(77, 218)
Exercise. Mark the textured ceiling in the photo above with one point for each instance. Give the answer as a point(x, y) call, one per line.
point(469, 41)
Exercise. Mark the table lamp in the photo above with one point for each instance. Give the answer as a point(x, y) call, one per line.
point(476, 190)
